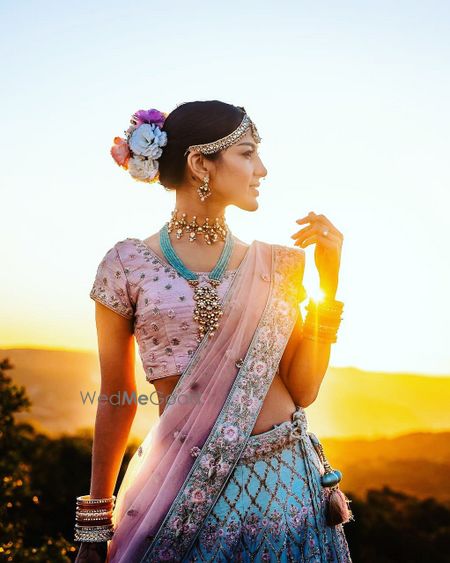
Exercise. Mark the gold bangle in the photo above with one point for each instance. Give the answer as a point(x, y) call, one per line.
point(93, 536)
point(93, 518)
point(321, 323)
point(332, 306)
point(84, 515)
point(87, 500)
point(98, 527)
point(86, 510)
point(319, 338)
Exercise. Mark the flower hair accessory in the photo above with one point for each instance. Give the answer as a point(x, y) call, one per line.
point(139, 151)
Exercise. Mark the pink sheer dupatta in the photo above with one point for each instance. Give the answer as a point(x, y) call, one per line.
point(160, 466)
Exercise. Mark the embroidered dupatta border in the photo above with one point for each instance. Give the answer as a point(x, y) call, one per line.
point(226, 441)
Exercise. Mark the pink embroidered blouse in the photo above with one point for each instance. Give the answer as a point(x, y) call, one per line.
point(135, 282)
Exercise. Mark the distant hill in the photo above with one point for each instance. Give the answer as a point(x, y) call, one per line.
point(377, 428)
point(351, 404)
point(417, 464)
point(54, 379)
point(357, 403)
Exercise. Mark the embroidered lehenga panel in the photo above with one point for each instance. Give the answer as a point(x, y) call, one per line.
point(273, 506)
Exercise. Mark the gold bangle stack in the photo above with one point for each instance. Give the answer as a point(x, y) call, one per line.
point(94, 519)
point(322, 320)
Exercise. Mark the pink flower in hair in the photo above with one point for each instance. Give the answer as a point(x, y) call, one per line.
point(149, 116)
point(140, 150)
point(120, 152)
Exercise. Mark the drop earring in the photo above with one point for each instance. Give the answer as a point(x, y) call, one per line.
point(204, 190)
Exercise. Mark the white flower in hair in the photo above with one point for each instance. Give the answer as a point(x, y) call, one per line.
point(147, 140)
point(142, 168)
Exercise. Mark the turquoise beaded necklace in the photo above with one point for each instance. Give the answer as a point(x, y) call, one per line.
point(208, 308)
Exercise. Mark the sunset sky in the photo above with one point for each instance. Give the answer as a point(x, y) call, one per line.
point(351, 102)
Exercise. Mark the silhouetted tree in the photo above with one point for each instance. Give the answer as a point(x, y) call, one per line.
point(19, 497)
point(393, 527)
point(41, 478)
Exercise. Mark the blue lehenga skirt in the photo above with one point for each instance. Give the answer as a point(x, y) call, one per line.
point(273, 506)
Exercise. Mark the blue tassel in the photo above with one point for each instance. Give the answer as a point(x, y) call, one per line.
point(337, 510)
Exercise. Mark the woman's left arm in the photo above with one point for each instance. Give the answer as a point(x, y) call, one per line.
point(305, 360)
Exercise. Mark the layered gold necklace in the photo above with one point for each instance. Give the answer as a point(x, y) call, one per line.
point(208, 309)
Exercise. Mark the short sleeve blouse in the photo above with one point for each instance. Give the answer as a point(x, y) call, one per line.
point(111, 286)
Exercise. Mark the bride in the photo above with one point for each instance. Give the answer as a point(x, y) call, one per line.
point(230, 471)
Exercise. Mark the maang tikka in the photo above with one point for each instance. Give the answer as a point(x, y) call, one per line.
point(222, 144)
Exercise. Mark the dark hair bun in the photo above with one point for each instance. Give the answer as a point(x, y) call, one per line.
point(194, 123)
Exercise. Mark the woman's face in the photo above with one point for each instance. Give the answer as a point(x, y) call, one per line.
point(235, 176)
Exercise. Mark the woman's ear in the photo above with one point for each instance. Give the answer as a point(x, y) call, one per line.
point(196, 166)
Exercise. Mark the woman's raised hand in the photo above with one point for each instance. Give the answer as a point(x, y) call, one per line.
point(92, 552)
point(327, 256)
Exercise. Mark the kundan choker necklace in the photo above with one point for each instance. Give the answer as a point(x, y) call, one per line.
point(211, 232)
point(208, 308)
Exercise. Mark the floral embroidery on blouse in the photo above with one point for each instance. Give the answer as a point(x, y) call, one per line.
point(134, 282)
point(111, 285)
